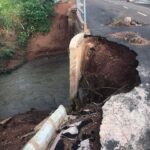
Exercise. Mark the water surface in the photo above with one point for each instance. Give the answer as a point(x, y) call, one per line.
point(41, 84)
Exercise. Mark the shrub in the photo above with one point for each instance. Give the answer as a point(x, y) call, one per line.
point(22, 39)
point(6, 53)
point(35, 15)
point(10, 14)
point(26, 17)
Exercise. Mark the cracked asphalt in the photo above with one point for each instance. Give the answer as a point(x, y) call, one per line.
point(100, 13)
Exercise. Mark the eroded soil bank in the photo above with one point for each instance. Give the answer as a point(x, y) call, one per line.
point(52, 43)
point(57, 40)
point(108, 69)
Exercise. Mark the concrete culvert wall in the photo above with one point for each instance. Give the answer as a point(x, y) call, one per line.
point(107, 69)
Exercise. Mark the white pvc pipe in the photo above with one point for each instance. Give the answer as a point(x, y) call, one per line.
point(43, 137)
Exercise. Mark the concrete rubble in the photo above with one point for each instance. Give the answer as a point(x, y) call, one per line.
point(71, 130)
point(84, 145)
point(126, 122)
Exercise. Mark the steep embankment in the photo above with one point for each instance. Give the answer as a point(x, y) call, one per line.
point(57, 40)
point(39, 45)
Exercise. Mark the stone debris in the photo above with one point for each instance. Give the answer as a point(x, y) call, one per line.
point(81, 133)
point(84, 145)
point(127, 20)
point(131, 37)
point(75, 124)
point(71, 130)
point(86, 110)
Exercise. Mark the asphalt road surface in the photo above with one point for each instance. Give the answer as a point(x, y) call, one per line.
point(101, 13)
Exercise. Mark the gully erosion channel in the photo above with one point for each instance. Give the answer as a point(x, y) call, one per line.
point(42, 84)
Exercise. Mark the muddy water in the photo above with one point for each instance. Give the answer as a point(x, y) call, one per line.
point(41, 84)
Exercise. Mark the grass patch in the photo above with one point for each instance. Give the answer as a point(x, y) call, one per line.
point(24, 18)
point(6, 53)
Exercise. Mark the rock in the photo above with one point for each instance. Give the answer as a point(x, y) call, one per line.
point(84, 145)
point(127, 20)
point(75, 124)
point(133, 22)
point(71, 131)
point(126, 121)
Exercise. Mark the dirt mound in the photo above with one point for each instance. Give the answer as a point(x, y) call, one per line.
point(131, 37)
point(15, 133)
point(124, 22)
point(109, 68)
point(57, 40)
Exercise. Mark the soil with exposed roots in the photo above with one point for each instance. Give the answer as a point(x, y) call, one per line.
point(108, 69)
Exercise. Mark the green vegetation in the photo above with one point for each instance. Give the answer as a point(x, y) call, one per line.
point(6, 53)
point(23, 17)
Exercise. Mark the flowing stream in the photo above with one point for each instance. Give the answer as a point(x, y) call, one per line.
point(42, 84)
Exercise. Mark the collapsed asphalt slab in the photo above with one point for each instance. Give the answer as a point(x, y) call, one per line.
point(123, 126)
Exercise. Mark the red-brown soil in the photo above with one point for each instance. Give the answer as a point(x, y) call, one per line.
point(52, 43)
point(57, 40)
point(109, 68)
point(13, 133)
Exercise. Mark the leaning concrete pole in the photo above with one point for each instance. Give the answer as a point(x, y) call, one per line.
point(76, 51)
point(45, 135)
